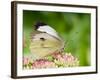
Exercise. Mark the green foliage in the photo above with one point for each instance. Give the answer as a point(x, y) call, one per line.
point(74, 28)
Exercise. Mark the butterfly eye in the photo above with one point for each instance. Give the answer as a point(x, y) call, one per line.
point(42, 39)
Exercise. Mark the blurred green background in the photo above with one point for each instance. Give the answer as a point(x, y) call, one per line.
point(73, 27)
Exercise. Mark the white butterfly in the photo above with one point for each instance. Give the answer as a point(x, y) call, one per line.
point(46, 42)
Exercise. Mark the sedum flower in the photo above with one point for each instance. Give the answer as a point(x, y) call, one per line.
point(43, 63)
point(65, 60)
point(27, 63)
point(52, 61)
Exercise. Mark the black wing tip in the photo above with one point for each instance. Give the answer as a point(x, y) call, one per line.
point(38, 24)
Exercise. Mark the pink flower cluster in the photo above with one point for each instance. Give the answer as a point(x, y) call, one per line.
point(43, 63)
point(66, 60)
point(52, 61)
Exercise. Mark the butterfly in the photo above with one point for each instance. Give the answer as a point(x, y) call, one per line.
point(45, 40)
